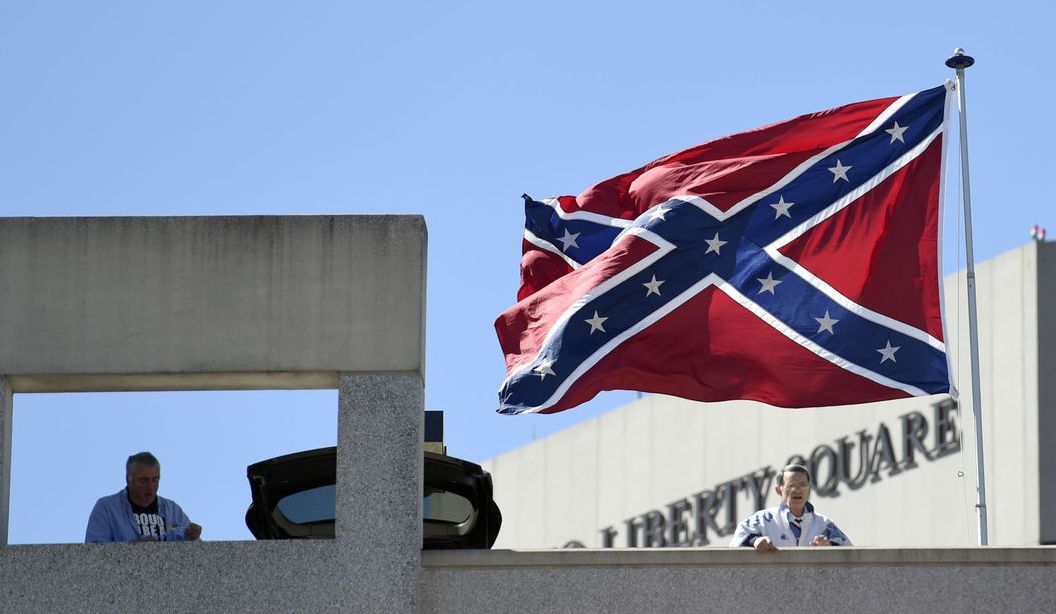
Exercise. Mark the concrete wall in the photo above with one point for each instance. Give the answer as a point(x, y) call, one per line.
point(1010, 322)
point(372, 564)
point(189, 303)
point(677, 580)
point(197, 295)
point(318, 577)
point(659, 450)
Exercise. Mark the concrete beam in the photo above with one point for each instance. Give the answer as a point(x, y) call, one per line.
point(159, 295)
point(146, 382)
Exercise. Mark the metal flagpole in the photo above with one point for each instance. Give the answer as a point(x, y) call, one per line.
point(959, 61)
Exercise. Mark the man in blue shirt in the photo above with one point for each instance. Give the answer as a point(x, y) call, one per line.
point(136, 513)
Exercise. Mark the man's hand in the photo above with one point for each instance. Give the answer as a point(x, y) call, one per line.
point(764, 544)
point(820, 540)
point(193, 532)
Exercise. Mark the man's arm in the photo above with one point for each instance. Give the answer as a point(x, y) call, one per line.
point(750, 534)
point(830, 535)
point(744, 535)
point(99, 528)
point(193, 532)
point(180, 527)
point(833, 536)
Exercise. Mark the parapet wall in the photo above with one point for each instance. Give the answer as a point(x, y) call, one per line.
point(318, 576)
point(859, 580)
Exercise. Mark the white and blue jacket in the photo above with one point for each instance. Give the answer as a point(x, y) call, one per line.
point(776, 523)
point(112, 520)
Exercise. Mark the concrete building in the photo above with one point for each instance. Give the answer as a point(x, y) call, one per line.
point(227, 303)
point(338, 302)
point(663, 471)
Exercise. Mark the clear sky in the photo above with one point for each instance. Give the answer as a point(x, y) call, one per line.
point(451, 110)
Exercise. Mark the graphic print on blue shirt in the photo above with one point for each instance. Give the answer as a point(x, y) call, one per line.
point(149, 523)
point(150, 526)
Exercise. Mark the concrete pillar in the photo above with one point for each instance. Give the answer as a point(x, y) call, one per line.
point(6, 424)
point(379, 486)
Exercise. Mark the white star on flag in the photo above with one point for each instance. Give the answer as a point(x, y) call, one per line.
point(545, 369)
point(596, 322)
point(569, 240)
point(653, 286)
point(825, 323)
point(839, 171)
point(896, 132)
point(888, 353)
point(658, 213)
point(769, 283)
point(714, 244)
point(781, 207)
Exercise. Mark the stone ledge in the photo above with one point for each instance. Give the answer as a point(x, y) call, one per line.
point(639, 557)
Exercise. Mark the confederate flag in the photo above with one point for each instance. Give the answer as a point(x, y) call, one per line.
point(795, 264)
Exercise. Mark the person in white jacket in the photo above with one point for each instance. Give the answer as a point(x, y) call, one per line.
point(792, 523)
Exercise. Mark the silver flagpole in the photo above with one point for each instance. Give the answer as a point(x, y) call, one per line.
point(959, 61)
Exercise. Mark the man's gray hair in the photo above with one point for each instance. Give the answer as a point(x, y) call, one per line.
point(793, 469)
point(140, 459)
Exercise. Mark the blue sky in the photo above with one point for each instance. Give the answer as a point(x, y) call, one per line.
point(451, 110)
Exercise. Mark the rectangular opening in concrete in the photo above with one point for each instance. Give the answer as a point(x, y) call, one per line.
point(69, 449)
